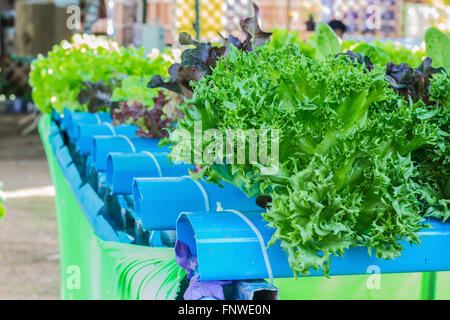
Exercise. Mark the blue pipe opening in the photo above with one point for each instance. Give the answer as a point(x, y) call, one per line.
point(122, 168)
point(185, 233)
point(228, 248)
point(103, 145)
point(76, 118)
point(225, 245)
point(85, 134)
point(158, 201)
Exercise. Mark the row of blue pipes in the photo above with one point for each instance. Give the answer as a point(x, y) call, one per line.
point(218, 233)
point(158, 197)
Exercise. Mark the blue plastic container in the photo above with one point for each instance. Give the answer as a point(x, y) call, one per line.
point(84, 134)
point(122, 168)
point(75, 118)
point(227, 248)
point(158, 201)
point(103, 145)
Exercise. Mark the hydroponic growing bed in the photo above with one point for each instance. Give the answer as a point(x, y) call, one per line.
point(352, 202)
point(112, 266)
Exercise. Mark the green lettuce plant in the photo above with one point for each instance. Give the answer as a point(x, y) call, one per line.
point(438, 47)
point(433, 161)
point(57, 78)
point(379, 52)
point(345, 176)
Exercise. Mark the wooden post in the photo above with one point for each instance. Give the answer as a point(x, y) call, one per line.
point(61, 32)
point(38, 27)
point(197, 19)
point(34, 28)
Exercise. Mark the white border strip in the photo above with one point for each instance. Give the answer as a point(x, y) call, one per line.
point(133, 148)
point(155, 161)
point(205, 195)
point(110, 128)
point(261, 242)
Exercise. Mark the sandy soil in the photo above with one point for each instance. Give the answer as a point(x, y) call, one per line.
point(29, 262)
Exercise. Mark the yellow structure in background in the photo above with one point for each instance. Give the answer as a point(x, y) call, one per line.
point(185, 13)
point(211, 18)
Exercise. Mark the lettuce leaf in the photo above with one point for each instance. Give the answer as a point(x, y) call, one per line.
point(327, 42)
point(437, 46)
point(433, 161)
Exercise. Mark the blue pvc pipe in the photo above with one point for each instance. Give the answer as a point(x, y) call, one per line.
point(125, 237)
point(84, 134)
point(158, 201)
point(76, 118)
point(162, 238)
point(122, 168)
point(228, 249)
point(104, 230)
point(102, 188)
point(88, 199)
point(102, 146)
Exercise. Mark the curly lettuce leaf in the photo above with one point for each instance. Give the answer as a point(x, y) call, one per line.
point(345, 176)
point(433, 161)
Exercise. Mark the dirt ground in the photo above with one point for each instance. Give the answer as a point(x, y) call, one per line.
point(29, 262)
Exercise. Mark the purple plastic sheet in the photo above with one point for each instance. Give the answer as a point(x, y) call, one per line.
point(197, 289)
